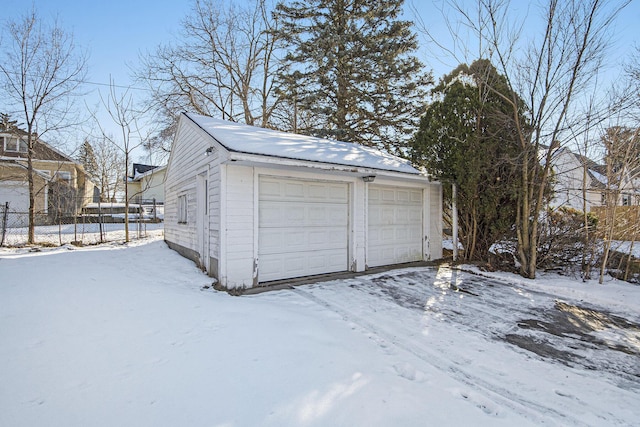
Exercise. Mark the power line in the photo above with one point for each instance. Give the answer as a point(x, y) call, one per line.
point(112, 85)
point(81, 81)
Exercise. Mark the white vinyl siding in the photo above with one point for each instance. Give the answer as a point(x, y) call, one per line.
point(238, 238)
point(433, 219)
point(303, 228)
point(187, 161)
point(395, 226)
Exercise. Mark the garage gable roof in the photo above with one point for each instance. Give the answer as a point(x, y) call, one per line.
point(254, 140)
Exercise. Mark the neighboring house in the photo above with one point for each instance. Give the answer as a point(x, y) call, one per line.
point(146, 184)
point(61, 186)
point(569, 181)
point(253, 205)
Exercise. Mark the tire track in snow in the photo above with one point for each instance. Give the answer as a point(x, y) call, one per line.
point(530, 320)
point(531, 410)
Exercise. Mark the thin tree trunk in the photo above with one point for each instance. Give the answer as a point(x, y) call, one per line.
point(126, 196)
point(32, 196)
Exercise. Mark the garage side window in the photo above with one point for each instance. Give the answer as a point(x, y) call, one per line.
point(182, 209)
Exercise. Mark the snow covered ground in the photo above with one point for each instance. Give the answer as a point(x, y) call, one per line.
point(132, 335)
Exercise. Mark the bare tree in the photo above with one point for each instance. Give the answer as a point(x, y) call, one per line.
point(110, 164)
point(223, 65)
point(132, 135)
point(586, 149)
point(41, 70)
point(622, 161)
point(550, 70)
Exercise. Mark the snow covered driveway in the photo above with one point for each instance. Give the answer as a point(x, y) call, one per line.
point(129, 336)
point(524, 347)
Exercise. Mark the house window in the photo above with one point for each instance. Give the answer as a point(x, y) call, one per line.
point(182, 209)
point(16, 145)
point(63, 176)
point(626, 200)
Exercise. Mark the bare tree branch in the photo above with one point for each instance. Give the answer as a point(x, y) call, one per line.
point(41, 71)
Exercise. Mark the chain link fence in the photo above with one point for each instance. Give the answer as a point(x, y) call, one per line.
point(86, 223)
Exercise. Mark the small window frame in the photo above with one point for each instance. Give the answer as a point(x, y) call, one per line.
point(182, 208)
point(13, 144)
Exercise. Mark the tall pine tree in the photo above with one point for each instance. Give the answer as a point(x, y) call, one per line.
point(87, 158)
point(351, 67)
point(8, 125)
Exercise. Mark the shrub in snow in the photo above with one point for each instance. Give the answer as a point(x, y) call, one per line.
point(564, 242)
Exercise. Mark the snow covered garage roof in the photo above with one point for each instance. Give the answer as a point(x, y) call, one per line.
point(254, 140)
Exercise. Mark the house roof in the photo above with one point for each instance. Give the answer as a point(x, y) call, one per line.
point(41, 149)
point(139, 168)
point(247, 139)
point(140, 171)
point(596, 172)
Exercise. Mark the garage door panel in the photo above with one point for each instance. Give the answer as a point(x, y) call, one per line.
point(283, 265)
point(273, 266)
point(327, 214)
point(303, 228)
point(415, 215)
point(402, 235)
point(402, 196)
point(293, 190)
point(269, 189)
point(388, 196)
point(402, 215)
point(276, 214)
point(338, 193)
point(299, 239)
point(394, 225)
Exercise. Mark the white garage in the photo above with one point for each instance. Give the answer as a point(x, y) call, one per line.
point(251, 206)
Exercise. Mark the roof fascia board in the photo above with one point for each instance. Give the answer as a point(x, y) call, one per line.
point(260, 159)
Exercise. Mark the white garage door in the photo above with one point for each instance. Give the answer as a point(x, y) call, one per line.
point(17, 194)
point(303, 228)
point(395, 225)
